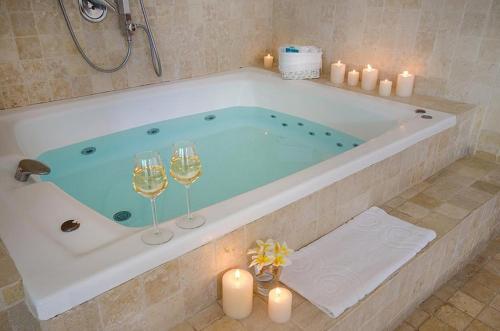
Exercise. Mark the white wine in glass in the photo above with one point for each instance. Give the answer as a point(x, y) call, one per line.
point(185, 168)
point(150, 180)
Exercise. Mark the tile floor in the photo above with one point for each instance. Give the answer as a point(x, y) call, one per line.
point(469, 301)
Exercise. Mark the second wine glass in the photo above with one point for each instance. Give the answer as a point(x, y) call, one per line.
point(185, 168)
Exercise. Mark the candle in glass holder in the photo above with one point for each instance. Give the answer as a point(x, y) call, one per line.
point(268, 61)
point(385, 87)
point(337, 72)
point(237, 293)
point(353, 78)
point(279, 305)
point(369, 78)
point(404, 87)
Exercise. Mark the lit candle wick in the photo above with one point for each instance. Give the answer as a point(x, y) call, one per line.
point(405, 73)
point(237, 274)
point(338, 62)
point(369, 67)
point(278, 292)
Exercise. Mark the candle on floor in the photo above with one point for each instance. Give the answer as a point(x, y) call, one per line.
point(337, 72)
point(237, 293)
point(404, 87)
point(268, 61)
point(279, 306)
point(385, 87)
point(353, 78)
point(369, 78)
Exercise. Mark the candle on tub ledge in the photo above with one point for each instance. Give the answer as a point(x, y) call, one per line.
point(369, 78)
point(337, 72)
point(404, 87)
point(268, 61)
point(353, 78)
point(385, 87)
point(279, 306)
point(237, 293)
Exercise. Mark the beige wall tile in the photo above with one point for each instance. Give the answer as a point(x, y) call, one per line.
point(165, 314)
point(417, 318)
point(8, 272)
point(206, 317)
point(13, 293)
point(121, 302)
point(20, 318)
point(230, 251)
point(309, 317)
point(161, 282)
point(23, 23)
point(188, 48)
point(29, 48)
point(226, 324)
point(9, 53)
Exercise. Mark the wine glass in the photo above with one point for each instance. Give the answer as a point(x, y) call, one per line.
point(150, 180)
point(185, 168)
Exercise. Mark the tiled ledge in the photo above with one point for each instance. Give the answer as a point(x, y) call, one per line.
point(461, 203)
point(440, 104)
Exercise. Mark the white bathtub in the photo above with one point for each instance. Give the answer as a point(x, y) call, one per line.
point(61, 270)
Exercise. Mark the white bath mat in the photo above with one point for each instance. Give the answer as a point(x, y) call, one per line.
point(339, 269)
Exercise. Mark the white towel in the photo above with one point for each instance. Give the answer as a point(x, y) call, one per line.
point(339, 269)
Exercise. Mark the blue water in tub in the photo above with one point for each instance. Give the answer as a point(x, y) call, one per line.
point(241, 148)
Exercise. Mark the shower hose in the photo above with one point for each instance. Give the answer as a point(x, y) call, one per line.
point(155, 57)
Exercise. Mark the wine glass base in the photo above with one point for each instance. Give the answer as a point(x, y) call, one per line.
point(194, 222)
point(151, 237)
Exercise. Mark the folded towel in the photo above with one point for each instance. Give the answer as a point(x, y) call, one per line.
point(339, 269)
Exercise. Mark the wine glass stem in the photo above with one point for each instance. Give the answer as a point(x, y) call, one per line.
point(155, 220)
point(188, 202)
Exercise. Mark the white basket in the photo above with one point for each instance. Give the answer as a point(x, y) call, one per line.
point(306, 64)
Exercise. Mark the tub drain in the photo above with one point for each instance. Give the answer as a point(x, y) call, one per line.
point(153, 131)
point(311, 133)
point(328, 133)
point(355, 145)
point(273, 116)
point(427, 117)
point(209, 117)
point(340, 144)
point(88, 150)
point(420, 111)
point(122, 216)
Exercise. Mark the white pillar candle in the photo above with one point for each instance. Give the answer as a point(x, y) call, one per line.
point(279, 306)
point(353, 78)
point(237, 293)
point(404, 87)
point(337, 72)
point(369, 78)
point(385, 87)
point(268, 61)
